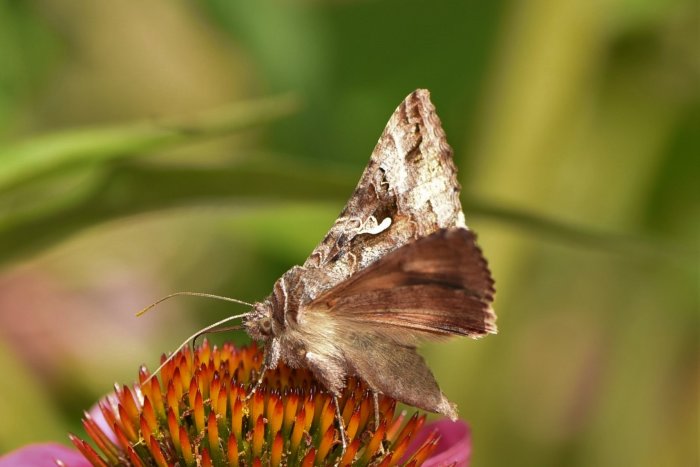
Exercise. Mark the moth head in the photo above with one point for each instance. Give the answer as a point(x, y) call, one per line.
point(260, 324)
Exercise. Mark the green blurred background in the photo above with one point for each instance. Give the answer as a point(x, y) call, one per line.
point(149, 147)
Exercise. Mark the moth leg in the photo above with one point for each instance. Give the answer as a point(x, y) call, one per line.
point(341, 425)
point(375, 401)
point(271, 358)
point(263, 370)
point(332, 375)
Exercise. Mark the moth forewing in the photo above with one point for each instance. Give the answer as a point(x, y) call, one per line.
point(409, 188)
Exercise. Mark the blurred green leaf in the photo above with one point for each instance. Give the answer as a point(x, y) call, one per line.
point(39, 156)
point(23, 68)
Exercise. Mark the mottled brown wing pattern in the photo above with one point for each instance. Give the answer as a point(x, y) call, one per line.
point(438, 285)
point(408, 190)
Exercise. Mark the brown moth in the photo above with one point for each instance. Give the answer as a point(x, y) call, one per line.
point(398, 266)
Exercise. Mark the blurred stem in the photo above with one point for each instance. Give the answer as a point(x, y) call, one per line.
point(44, 155)
point(578, 235)
point(132, 189)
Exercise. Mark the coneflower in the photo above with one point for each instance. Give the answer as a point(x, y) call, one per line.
point(199, 412)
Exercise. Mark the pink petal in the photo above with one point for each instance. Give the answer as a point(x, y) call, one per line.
point(454, 447)
point(96, 415)
point(43, 455)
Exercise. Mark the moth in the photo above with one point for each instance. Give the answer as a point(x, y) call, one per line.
point(398, 266)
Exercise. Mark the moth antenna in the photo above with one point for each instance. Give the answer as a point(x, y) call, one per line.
point(193, 294)
point(236, 327)
point(193, 336)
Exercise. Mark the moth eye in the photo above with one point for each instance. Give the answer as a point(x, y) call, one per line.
point(266, 326)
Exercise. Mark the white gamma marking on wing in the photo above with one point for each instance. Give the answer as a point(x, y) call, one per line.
point(371, 227)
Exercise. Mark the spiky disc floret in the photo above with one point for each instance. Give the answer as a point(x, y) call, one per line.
point(199, 413)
